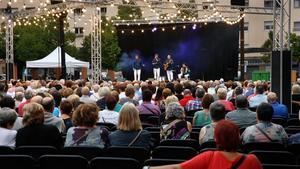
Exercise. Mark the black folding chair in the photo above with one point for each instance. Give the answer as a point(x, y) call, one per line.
point(114, 163)
point(159, 162)
point(36, 151)
point(181, 143)
point(280, 166)
point(293, 122)
point(5, 150)
point(17, 162)
point(274, 157)
point(292, 130)
point(280, 121)
point(63, 162)
point(138, 153)
point(208, 144)
point(267, 146)
point(152, 129)
point(170, 152)
point(192, 112)
point(294, 148)
point(109, 126)
point(85, 151)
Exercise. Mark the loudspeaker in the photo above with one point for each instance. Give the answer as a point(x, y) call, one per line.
point(281, 77)
point(238, 2)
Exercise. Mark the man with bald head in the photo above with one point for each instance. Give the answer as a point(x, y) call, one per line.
point(280, 110)
point(37, 99)
point(49, 118)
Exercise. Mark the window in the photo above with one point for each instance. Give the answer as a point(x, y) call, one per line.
point(246, 2)
point(268, 3)
point(268, 25)
point(296, 26)
point(246, 26)
point(79, 31)
point(297, 3)
point(103, 10)
point(78, 12)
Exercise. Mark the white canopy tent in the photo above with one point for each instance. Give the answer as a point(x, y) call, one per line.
point(53, 60)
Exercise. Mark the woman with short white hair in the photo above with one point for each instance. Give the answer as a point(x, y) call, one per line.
point(7, 118)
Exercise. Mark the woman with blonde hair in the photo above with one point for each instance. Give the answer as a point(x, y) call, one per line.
point(35, 132)
point(85, 132)
point(130, 131)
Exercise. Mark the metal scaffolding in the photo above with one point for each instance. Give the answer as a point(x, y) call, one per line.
point(96, 58)
point(9, 41)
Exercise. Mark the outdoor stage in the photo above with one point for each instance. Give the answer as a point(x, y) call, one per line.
point(211, 51)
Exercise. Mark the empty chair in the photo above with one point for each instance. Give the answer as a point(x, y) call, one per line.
point(138, 153)
point(36, 151)
point(170, 152)
point(17, 161)
point(154, 120)
point(114, 163)
point(87, 152)
point(280, 121)
point(63, 162)
point(109, 126)
point(181, 143)
point(159, 162)
point(4, 150)
point(263, 146)
point(280, 166)
point(274, 157)
point(293, 122)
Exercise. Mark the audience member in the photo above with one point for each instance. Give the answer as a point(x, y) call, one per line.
point(35, 132)
point(258, 97)
point(129, 92)
point(227, 139)
point(103, 92)
point(196, 104)
point(217, 113)
point(202, 117)
point(28, 95)
point(242, 116)
point(175, 126)
point(85, 132)
point(147, 108)
point(130, 132)
point(85, 98)
point(264, 130)
point(66, 109)
point(280, 110)
point(50, 119)
point(7, 119)
point(187, 96)
point(118, 106)
point(108, 115)
point(222, 93)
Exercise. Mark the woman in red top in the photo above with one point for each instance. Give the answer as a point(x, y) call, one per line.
point(228, 141)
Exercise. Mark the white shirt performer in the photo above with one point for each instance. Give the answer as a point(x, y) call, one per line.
point(156, 67)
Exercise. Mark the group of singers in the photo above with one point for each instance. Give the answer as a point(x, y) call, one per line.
point(168, 66)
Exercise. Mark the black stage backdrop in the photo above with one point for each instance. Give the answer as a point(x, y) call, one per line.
point(211, 51)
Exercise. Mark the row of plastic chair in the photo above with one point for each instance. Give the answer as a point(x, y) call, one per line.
point(77, 162)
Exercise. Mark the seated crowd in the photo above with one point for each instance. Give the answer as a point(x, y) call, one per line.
point(41, 113)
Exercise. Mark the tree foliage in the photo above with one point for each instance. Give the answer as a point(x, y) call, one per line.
point(33, 42)
point(109, 45)
point(129, 12)
point(295, 47)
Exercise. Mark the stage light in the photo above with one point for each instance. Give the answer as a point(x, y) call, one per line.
point(194, 26)
point(122, 32)
point(163, 29)
point(174, 28)
point(154, 29)
point(184, 27)
point(142, 30)
point(132, 31)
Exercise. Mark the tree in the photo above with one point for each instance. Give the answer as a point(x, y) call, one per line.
point(268, 44)
point(129, 12)
point(35, 41)
point(295, 47)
